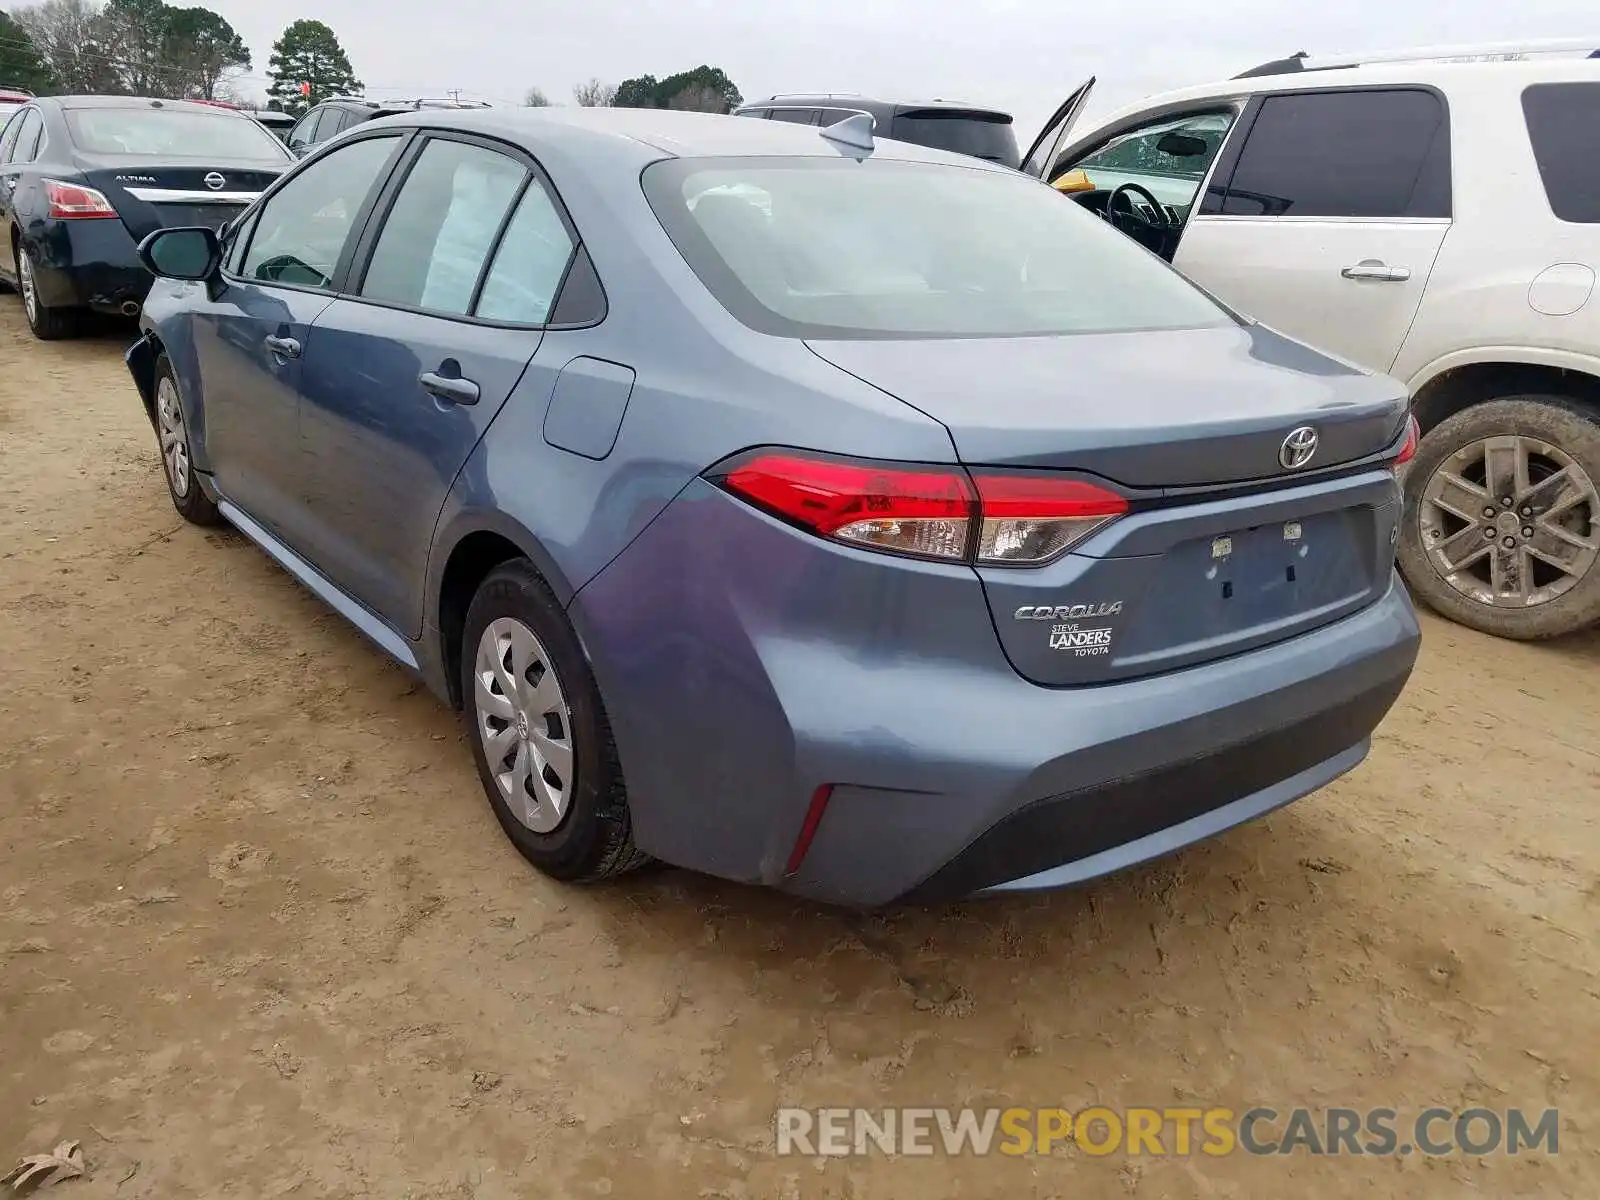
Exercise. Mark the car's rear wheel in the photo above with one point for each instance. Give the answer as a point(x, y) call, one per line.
point(1502, 518)
point(177, 455)
point(539, 731)
point(48, 324)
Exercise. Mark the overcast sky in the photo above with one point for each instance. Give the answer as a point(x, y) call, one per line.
point(1023, 56)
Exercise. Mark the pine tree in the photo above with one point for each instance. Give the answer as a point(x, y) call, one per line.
point(309, 53)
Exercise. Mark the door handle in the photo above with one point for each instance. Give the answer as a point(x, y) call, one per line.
point(287, 347)
point(1380, 272)
point(451, 391)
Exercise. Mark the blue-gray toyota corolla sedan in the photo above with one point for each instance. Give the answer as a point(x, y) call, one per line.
point(856, 519)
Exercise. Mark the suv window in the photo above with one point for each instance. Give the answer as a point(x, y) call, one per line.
point(1372, 154)
point(979, 134)
point(1169, 158)
point(1564, 126)
point(795, 116)
point(530, 263)
point(305, 133)
point(442, 226)
point(303, 227)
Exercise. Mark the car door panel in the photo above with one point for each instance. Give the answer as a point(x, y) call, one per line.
point(252, 397)
point(400, 382)
point(1328, 221)
point(1350, 287)
point(380, 450)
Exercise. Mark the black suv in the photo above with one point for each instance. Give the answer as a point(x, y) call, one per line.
point(941, 124)
point(333, 117)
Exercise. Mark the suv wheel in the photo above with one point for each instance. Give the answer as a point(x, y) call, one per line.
point(1502, 518)
point(539, 731)
point(177, 458)
point(48, 324)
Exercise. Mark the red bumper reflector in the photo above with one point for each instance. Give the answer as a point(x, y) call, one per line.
point(819, 805)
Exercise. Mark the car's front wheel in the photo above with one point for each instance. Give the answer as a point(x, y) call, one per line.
point(539, 731)
point(177, 455)
point(1502, 518)
point(48, 324)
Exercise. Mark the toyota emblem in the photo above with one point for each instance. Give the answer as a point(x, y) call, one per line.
point(216, 183)
point(1298, 448)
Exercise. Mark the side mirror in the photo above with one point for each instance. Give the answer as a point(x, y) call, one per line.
point(191, 254)
point(1182, 145)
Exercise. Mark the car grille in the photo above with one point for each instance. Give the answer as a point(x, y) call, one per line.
point(214, 215)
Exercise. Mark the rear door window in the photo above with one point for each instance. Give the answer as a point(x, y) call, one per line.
point(1564, 126)
point(1357, 153)
point(530, 263)
point(795, 116)
point(26, 147)
point(442, 228)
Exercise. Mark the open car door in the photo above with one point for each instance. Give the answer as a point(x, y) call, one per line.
point(1040, 159)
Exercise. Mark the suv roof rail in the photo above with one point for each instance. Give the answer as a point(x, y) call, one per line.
point(16, 90)
point(351, 100)
point(1514, 51)
point(436, 102)
point(811, 96)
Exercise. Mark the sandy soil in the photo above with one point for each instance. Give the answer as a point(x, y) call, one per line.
point(260, 935)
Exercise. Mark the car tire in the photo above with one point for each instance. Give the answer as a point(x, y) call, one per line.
point(177, 457)
point(517, 638)
point(1551, 434)
point(48, 324)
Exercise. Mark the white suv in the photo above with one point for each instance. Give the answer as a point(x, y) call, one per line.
point(1433, 215)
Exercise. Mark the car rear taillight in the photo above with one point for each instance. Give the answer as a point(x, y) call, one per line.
point(74, 202)
point(1408, 448)
point(926, 511)
point(1033, 518)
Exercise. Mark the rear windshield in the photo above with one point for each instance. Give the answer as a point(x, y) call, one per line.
point(179, 133)
point(982, 135)
point(832, 248)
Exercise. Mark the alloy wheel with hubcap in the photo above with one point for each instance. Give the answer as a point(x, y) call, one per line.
point(28, 286)
point(48, 324)
point(524, 723)
point(1502, 528)
point(174, 437)
point(1507, 521)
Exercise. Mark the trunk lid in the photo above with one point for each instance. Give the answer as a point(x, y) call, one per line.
point(1225, 548)
point(154, 195)
point(1175, 409)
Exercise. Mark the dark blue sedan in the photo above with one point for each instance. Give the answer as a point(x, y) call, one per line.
point(852, 518)
point(84, 178)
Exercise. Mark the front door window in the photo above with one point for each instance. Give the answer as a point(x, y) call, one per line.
point(1169, 160)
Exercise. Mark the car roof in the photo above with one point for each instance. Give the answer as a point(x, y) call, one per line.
point(1444, 75)
point(79, 102)
point(652, 133)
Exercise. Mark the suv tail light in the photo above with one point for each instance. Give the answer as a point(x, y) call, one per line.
point(925, 511)
point(74, 202)
point(1408, 448)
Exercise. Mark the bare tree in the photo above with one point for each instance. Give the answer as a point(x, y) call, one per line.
point(535, 98)
point(595, 94)
point(73, 38)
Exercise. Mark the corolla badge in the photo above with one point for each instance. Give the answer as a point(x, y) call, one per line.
point(1066, 612)
point(1298, 448)
point(216, 182)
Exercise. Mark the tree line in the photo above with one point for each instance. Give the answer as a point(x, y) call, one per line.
point(704, 89)
point(152, 48)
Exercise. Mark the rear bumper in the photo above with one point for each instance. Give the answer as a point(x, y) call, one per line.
point(744, 666)
point(88, 264)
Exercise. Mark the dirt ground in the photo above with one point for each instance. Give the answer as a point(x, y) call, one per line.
point(261, 936)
